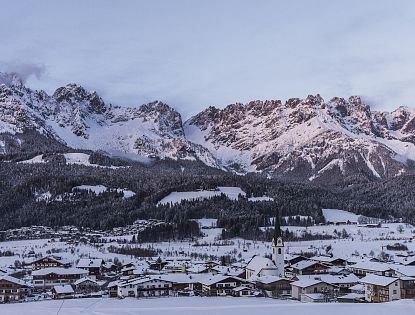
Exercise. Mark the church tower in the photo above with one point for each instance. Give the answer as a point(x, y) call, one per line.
point(278, 248)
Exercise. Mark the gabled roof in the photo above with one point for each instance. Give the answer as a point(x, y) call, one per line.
point(378, 280)
point(408, 271)
point(79, 281)
point(14, 280)
point(306, 282)
point(257, 263)
point(373, 266)
point(306, 264)
point(326, 259)
point(63, 289)
point(268, 279)
point(59, 271)
point(237, 289)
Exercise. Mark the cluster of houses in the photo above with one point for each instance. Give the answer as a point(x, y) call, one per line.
point(286, 276)
point(72, 233)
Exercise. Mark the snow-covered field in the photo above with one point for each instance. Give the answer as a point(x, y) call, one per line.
point(71, 159)
point(362, 240)
point(98, 189)
point(177, 197)
point(336, 215)
point(202, 305)
point(232, 193)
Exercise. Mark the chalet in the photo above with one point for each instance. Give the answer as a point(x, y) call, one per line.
point(144, 287)
point(87, 285)
point(63, 292)
point(93, 266)
point(309, 267)
point(47, 278)
point(381, 288)
point(369, 267)
point(185, 282)
point(307, 286)
point(13, 289)
point(157, 264)
point(113, 289)
point(273, 286)
point(49, 262)
point(260, 266)
point(220, 285)
point(175, 266)
point(342, 283)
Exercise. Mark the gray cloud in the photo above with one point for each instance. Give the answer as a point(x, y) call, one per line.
point(192, 54)
point(24, 70)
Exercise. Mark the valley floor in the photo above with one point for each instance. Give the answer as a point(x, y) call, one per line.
point(200, 305)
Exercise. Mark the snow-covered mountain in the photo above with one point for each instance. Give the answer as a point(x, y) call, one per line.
point(309, 139)
point(80, 119)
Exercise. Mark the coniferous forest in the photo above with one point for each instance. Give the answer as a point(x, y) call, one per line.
point(22, 184)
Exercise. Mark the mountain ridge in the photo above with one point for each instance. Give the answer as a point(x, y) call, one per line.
point(302, 139)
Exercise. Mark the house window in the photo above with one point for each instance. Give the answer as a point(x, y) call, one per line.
point(394, 291)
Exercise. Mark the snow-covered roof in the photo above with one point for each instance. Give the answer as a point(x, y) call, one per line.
point(197, 268)
point(217, 278)
point(373, 266)
point(63, 289)
point(268, 279)
point(378, 280)
point(315, 296)
point(326, 259)
point(79, 281)
point(304, 264)
point(331, 279)
point(357, 287)
point(237, 289)
point(89, 263)
point(184, 278)
point(408, 271)
point(257, 263)
point(14, 280)
point(113, 284)
point(59, 271)
point(306, 282)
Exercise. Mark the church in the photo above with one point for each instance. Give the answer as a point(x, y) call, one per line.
point(261, 266)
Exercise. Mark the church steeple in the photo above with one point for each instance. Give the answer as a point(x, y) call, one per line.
point(277, 228)
point(278, 247)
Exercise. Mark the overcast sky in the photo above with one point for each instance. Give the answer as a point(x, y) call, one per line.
point(192, 54)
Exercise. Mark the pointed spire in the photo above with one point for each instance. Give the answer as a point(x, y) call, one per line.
point(277, 228)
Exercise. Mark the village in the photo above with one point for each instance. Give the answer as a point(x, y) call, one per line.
point(280, 273)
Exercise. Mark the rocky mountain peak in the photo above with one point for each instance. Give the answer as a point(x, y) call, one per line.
point(10, 79)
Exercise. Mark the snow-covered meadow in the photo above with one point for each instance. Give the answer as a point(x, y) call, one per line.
point(202, 305)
